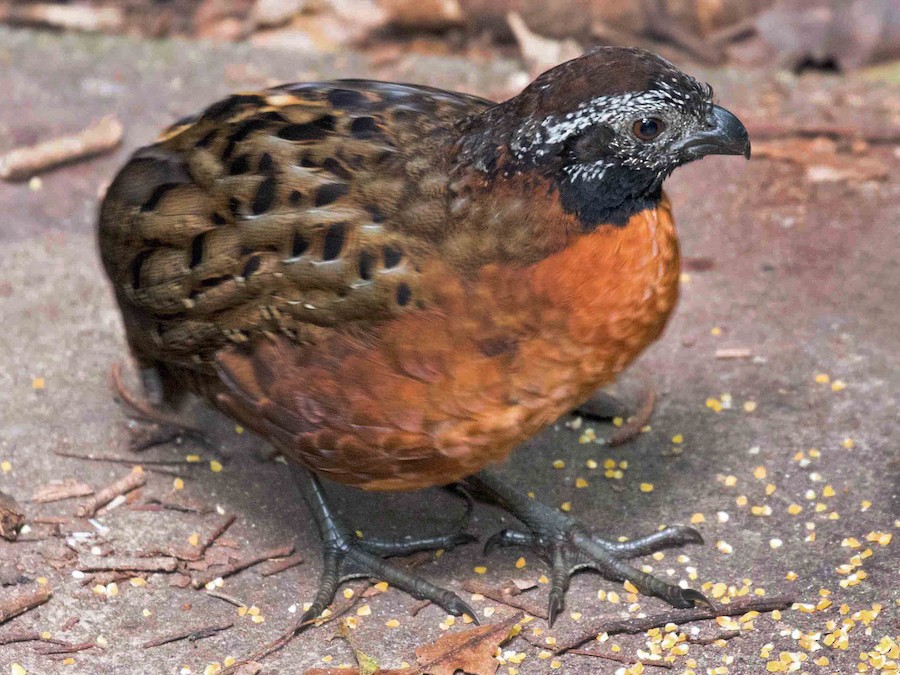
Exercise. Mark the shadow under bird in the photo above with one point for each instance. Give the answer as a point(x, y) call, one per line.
point(396, 285)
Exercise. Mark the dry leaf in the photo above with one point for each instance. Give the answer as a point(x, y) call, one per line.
point(12, 517)
point(471, 651)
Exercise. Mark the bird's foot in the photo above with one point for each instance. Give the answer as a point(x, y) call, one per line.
point(568, 546)
point(151, 425)
point(345, 556)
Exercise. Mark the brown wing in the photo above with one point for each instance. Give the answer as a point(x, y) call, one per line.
point(290, 211)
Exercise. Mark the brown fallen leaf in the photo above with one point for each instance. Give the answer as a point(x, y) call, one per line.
point(471, 651)
point(12, 517)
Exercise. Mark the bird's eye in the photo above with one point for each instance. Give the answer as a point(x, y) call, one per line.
point(648, 128)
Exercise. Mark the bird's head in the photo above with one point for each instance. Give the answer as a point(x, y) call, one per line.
point(609, 127)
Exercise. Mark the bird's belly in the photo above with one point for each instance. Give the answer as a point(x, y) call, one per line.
point(446, 392)
point(596, 307)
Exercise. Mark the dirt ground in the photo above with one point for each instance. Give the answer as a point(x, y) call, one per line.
point(786, 460)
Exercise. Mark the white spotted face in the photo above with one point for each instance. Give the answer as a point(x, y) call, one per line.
point(605, 129)
point(638, 130)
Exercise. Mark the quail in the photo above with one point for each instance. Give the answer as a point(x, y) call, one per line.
point(396, 285)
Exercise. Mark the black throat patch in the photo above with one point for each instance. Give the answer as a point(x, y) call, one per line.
point(611, 199)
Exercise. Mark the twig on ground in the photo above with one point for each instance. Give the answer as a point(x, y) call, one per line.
point(70, 623)
point(610, 656)
point(22, 163)
point(227, 598)
point(194, 553)
point(296, 627)
point(127, 564)
point(57, 491)
point(677, 616)
point(137, 461)
point(69, 648)
point(192, 635)
point(31, 636)
point(123, 486)
point(506, 595)
point(51, 520)
point(734, 353)
point(180, 504)
point(220, 529)
point(106, 578)
point(419, 606)
point(632, 429)
point(278, 566)
point(13, 604)
point(715, 638)
point(242, 564)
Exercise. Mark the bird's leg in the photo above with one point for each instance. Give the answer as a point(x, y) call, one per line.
point(345, 556)
point(568, 545)
point(158, 425)
point(602, 406)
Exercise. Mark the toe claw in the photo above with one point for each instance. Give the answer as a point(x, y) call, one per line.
point(555, 605)
point(494, 542)
point(310, 614)
point(689, 598)
point(457, 607)
point(691, 536)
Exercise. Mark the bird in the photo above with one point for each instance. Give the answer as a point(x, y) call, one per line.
point(396, 285)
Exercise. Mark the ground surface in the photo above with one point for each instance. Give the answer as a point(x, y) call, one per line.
point(803, 274)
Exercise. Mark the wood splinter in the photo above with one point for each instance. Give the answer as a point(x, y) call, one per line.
point(506, 595)
point(191, 635)
point(733, 353)
point(23, 163)
point(242, 564)
point(124, 485)
point(677, 616)
point(124, 564)
point(279, 566)
point(13, 604)
point(195, 552)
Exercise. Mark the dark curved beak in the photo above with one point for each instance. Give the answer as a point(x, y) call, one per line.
point(724, 135)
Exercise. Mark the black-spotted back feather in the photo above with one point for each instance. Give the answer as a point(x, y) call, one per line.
point(290, 211)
